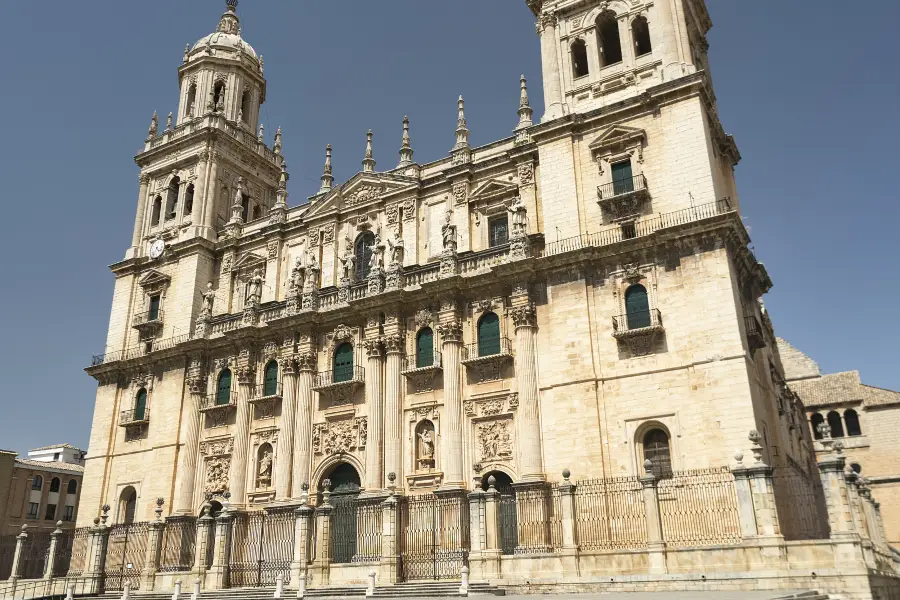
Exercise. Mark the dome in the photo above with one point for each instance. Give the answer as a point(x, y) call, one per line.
point(227, 35)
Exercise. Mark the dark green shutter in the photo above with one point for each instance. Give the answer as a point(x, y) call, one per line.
point(140, 405)
point(153, 313)
point(489, 335)
point(270, 386)
point(223, 393)
point(637, 307)
point(622, 178)
point(363, 253)
point(425, 348)
point(343, 363)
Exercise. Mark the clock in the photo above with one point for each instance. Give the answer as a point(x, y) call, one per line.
point(157, 248)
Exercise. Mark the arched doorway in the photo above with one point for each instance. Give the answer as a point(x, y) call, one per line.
point(509, 534)
point(345, 487)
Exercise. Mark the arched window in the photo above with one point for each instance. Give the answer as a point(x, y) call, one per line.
point(72, 487)
point(127, 505)
point(852, 421)
point(191, 100)
point(343, 363)
point(637, 307)
point(834, 422)
point(489, 334)
point(424, 348)
point(245, 207)
point(608, 36)
point(189, 200)
point(656, 450)
point(363, 252)
point(640, 31)
point(172, 198)
point(157, 208)
point(54, 484)
point(245, 107)
point(814, 422)
point(579, 59)
point(223, 390)
point(140, 405)
point(270, 379)
point(219, 94)
point(37, 483)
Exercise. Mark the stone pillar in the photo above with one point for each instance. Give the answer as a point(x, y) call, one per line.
point(831, 469)
point(154, 546)
point(665, 42)
point(197, 210)
point(189, 451)
point(553, 105)
point(450, 330)
point(306, 374)
point(95, 562)
point(322, 562)
point(567, 510)
point(528, 425)
point(390, 542)
point(212, 193)
point(857, 509)
point(283, 464)
point(138, 234)
point(16, 571)
point(393, 463)
point(656, 548)
point(304, 516)
point(238, 479)
point(374, 399)
point(206, 526)
point(51, 552)
point(746, 508)
point(221, 552)
point(762, 488)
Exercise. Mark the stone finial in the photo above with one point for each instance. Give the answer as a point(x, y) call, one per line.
point(739, 458)
point(566, 473)
point(648, 467)
point(104, 513)
point(260, 137)
point(392, 477)
point(58, 529)
point(823, 430)
point(327, 178)
point(237, 208)
point(187, 52)
point(406, 151)
point(24, 527)
point(756, 447)
point(154, 125)
point(368, 162)
point(96, 521)
point(526, 115)
point(492, 482)
point(277, 146)
point(159, 508)
point(326, 490)
point(462, 133)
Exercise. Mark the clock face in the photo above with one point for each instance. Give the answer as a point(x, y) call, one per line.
point(157, 248)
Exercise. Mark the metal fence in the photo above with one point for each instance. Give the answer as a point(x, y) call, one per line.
point(368, 531)
point(609, 514)
point(800, 502)
point(71, 552)
point(699, 507)
point(179, 544)
point(434, 540)
point(7, 554)
point(35, 552)
point(262, 547)
point(538, 518)
point(126, 553)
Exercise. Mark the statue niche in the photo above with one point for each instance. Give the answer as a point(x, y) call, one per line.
point(425, 445)
point(264, 457)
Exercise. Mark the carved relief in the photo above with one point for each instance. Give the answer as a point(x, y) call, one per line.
point(272, 250)
point(492, 407)
point(328, 237)
point(423, 318)
point(364, 194)
point(217, 475)
point(526, 174)
point(409, 209)
point(460, 192)
point(494, 441)
point(339, 437)
point(392, 211)
point(425, 445)
point(264, 467)
point(219, 447)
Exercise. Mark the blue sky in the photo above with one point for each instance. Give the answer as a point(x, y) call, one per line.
point(810, 93)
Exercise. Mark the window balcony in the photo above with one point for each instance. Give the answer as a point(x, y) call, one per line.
point(623, 199)
point(129, 418)
point(264, 398)
point(485, 360)
point(148, 322)
point(638, 330)
point(214, 403)
point(756, 339)
point(338, 385)
point(421, 370)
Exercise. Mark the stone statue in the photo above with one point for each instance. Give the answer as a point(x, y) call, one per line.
point(348, 261)
point(312, 270)
point(264, 473)
point(519, 212)
point(377, 260)
point(296, 281)
point(254, 289)
point(426, 448)
point(208, 296)
point(395, 244)
point(448, 231)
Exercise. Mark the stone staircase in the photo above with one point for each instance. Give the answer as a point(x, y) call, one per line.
point(435, 589)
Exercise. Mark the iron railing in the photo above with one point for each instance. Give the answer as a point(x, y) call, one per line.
point(211, 401)
point(269, 390)
point(610, 514)
point(618, 233)
point(641, 319)
point(339, 375)
point(178, 545)
point(139, 350)
point(800, 502)
point(638, 183)
point(147, 317)
point(126, 553)
point(699, 507)
point(411, 362)
point(71, 552)
point(494, 347)
point(134, 416)
point(755, 337)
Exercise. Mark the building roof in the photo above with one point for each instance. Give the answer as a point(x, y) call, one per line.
point(873, 396)
point(49, 465)
point(797, 365)
point(841, 388)
point(54, 446)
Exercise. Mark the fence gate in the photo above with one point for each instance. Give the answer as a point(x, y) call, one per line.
point(262, 546)
point(435, 536)
point(343, 527)
point(126, 551)
point(509, 528)
point(71, 552)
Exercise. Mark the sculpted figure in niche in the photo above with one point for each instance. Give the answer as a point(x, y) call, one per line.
point(254, 289)
point(348, 260)
point(377, 260)
point(296, 282)
point(208, 296)
point(448, 231)
point(395, 243)
point(425, 445)
point(519, 212)
point(312, 269)
point(264, 469)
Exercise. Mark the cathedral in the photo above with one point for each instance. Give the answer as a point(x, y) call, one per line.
point(540, 363)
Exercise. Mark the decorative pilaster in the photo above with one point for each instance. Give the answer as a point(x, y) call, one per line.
point(528, 428)
point(206, 531)
point(763, 490)
point(222, 551)
point(154, 546)
point(393, 346)
point(390, 541)
point(655, 546)
point(306, 374)
point(212, 192)
point(746, 509)
point(95, 563)
point(190, 434)
point(302, 528)
point(375, 401)
point(283, 466)
point(450, 330)
point(567, 510)
point(138, 234)
point(323, 534)
point(546, 28)
point(238, 479)
point(831, 469)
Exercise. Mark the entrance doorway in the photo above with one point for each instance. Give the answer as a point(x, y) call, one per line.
point(509, 534)
point(345, 487)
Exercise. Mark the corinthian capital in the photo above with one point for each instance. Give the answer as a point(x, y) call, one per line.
point(523, 316)
point(374, 348)
point(288, 365)
point(144, 178)
point(393, 343)
point(450, 331)
point(546, 19)
point(245, 375)
point(306, 361)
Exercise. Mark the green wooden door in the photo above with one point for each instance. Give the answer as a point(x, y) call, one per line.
point(343, 363)
point(140, 405)
point(489, 335)
point(637, 307)
point(622, 178)
point(425, 348)
point(223, 392)
point(270, 379)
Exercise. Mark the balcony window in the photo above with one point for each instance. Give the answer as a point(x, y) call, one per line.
point(622, 178)
point(424, 348)
point(489, 334)
point(363, 252)
point(223, 390)
point(153, 310)
point(140, 405)
point(637, 307)
point(498, 231)
point(270, 379)
point(343, 363)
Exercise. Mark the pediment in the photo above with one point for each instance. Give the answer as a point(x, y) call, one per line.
point(493, 189)
point(361, 190)
point(248, 260)
point(616, 135)
point(154, 278)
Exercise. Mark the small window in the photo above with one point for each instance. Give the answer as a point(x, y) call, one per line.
point(857, 468)
point(157, 208)
point(814, 421)
point(189, 200)
point(851, 419)
point(55, 484)
point(637, 307)
point(424, 348)
point(50, 513)
point(834, 422)
point(608, 35)
point(270, 379)
point(172, 198)
point(37, 483)
point(245, 107)
point(656, 450)
point(579, 59)
point(363, 252)
point(640, 31)
point(623, 180)
point(489, 334)
point(140, 405)
point(69, 514)
point(127, 505)
point(191, 100)
point(343, 363)
point(219, 94)
point(33, 510)
point(153, 308)
point(55, 456)
point(223, 390)
point(245, 207)
point(498, 231)
point(72, 487)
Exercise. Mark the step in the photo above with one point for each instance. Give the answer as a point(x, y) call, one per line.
point(434, 589)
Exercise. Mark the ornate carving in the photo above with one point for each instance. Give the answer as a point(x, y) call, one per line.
point(450, 331)
point(342, 333)
point(364, 193)
point(226, 264)
point(482, 306)
point(423, 318)
point(469, 408)
point(461, 192)
point(392, 211)
point(492, 407)
point(264, 468)
point(306, 361)
point(217, 475)
point(425, 445)
point(313, 237)
point(513, 401)
point(448, 231)
point(526, 174)
point(362, 428)
point(270, 350)
point(409, 209)
point(494, 441)
point(328, 237)
point(219, 447)
point(393, 343)
point(374, 347)
point(272, 250)
point(631, 272)
point(340, 437)
point(522, 316)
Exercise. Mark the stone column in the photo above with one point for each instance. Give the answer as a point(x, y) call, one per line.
point(283, 464)
point(831, 469)
point(138, 234)
point(656, 549)
point(528, 425)
point(746, 509)
point(238, 480)
point(393, 463)
point(374, 399)
point(450, 330)
point(206, 525)
point(306, 374)
point(546, 27)
point(567, 510)
point(857, 509)
point(390, 543)
point(222, 552)
point(154, 546)
point(189, 451)
point(203, 167)
point(95, 562)
point(304, 515)
point(16, 571)
point(323, 535)
point(212, 192)
point(51, 552)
